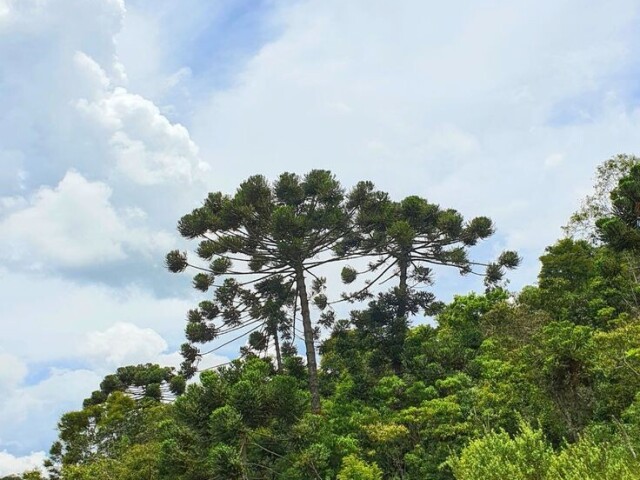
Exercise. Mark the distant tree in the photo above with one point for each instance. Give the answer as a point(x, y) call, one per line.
point(104, 430)
point(140, 381)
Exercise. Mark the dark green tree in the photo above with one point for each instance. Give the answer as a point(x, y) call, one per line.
point(140, 381)
point(621, 228)
point(410, 237)
point(284, 230)
point(582, 224)
point(407, 240)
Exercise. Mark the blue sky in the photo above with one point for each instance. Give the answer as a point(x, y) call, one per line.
point(118, 117)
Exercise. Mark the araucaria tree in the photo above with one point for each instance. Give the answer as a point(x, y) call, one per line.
point(410, 237)
point(406, 240)
point(264, 243)
point(283, 230)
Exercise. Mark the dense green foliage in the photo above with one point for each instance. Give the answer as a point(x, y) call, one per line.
point(543, 384)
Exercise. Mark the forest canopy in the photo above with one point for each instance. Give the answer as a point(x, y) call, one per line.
point(537, 384)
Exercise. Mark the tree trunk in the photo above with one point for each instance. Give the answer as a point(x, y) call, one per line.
point(398, 330)
point(243, 458)
point(403, 265)
point(309, 343)
point(276, 342)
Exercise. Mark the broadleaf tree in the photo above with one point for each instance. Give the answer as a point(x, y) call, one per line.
point(582, 223)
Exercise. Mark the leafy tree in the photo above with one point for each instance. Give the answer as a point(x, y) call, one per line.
point(583, 284)
point(497, 456)
point(582, 223)
point(616, 369)
point(432, 354)
point(355, 469)
point(138, 463)
point(113, 420)
point(559, 359)
point(621, 227)
point(529, 456)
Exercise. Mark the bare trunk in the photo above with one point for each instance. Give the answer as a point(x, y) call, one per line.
point(243, 457)
point(309, 343)
point(398, 330)
point(276, 342)
point(402, 288)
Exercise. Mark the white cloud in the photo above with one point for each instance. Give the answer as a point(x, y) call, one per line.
point(127, 344)
point(29, 413)
point(53, 327)
point(461, 103)
point(75, 225)
point(12, 372)
point(123, 344)
point(65, 99)
point(11, 464)
point(553, 160)
point(81, 152)
point(145, 145)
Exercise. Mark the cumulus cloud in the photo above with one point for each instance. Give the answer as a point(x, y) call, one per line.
point(123, 344)
point(11, 464)
point(65, 99)
point(74, 136)
point(74, 225)
point(29, 410)
point(127, 344)
point(146, 147)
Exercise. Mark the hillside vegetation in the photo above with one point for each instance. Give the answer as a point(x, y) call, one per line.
point(540, 384)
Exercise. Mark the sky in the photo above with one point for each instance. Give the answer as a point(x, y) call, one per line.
point(119, 116)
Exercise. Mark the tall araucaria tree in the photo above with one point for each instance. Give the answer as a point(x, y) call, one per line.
point(407, 239)
point(282, 231)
